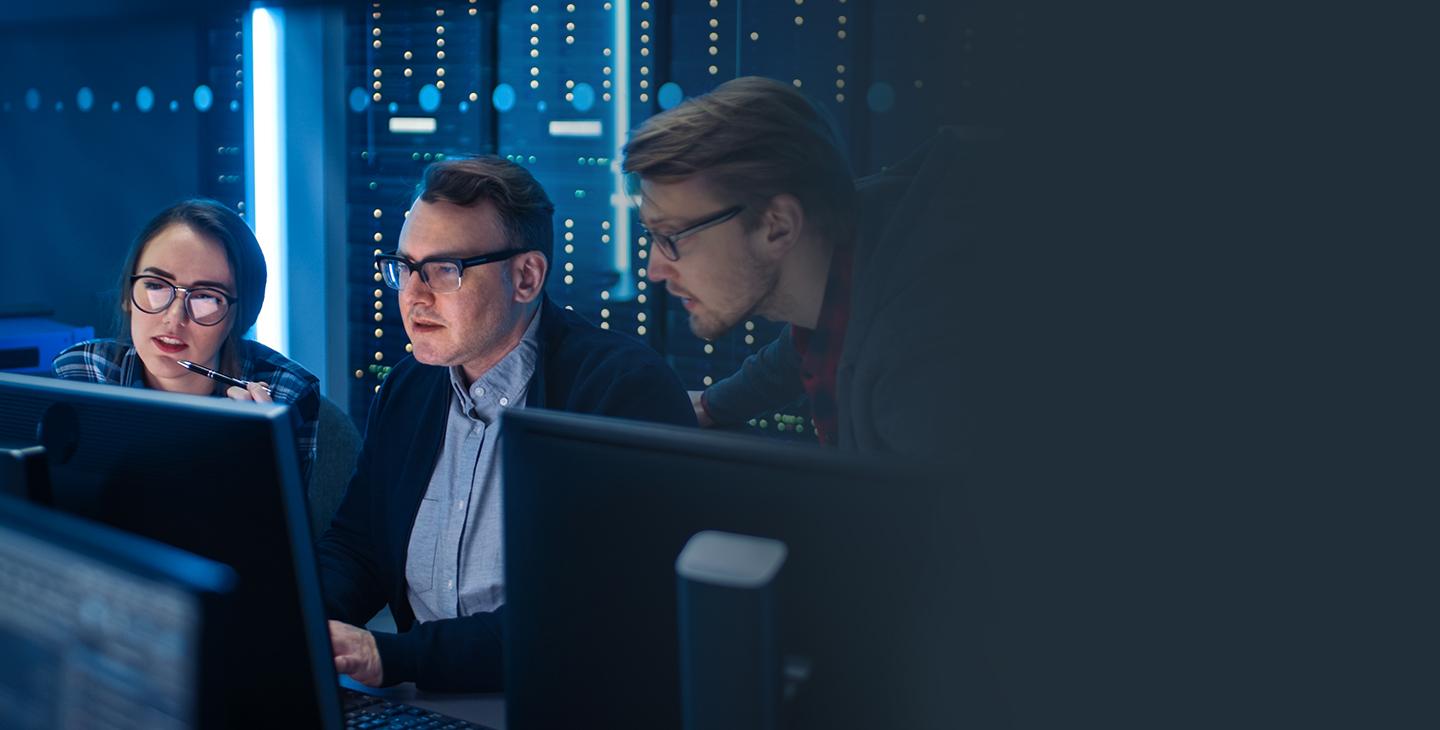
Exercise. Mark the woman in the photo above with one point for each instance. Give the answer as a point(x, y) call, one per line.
point(191, 286)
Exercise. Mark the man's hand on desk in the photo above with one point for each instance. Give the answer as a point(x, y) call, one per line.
point(355, 653)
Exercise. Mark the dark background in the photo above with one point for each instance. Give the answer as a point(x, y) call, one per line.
point(78, 185)
point(1204, 385)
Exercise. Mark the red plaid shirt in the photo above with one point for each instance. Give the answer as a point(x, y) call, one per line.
point(819, 349)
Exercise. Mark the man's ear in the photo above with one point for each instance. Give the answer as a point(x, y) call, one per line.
point(527, 271)
point(782, 223)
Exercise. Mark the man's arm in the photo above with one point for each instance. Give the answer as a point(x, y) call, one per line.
point(349, 577)
point(642, 392)
point(917, 408)
point(766, 380)
point(450, 655)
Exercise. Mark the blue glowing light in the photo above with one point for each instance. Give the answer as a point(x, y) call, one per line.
point(503, 97)
point(265, 95)
point(204, 98)
point(84, 99)
point(881, 97)
point(429, 97)
point(670, 95)
point(144, 99)
point(583, 97)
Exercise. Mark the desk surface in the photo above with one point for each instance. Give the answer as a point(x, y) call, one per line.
point(484, 708)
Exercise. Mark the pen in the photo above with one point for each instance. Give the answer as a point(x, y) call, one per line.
point(215, 375)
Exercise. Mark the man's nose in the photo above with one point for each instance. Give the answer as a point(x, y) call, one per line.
point(660, 269)
point(415, 289)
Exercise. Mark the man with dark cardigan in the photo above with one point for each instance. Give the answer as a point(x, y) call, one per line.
point(419, 528)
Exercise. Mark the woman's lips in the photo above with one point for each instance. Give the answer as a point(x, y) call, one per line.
point(169, 345)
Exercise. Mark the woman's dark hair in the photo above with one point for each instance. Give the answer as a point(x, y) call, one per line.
point(213, 220)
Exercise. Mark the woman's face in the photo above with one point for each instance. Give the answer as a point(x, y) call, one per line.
point(184, 258)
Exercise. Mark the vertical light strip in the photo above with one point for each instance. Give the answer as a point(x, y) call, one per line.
point(266, 92)
point(739, 33)
point(620, 128)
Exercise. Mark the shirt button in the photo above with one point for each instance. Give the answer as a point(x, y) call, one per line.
point(450, 584)
point(479, 391)
point(459, 504)
point(504, 401)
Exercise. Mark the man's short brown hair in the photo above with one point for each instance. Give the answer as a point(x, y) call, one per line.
point(753, 138)
point(525, 211)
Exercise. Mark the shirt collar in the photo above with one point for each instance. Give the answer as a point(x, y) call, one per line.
point(503, 384)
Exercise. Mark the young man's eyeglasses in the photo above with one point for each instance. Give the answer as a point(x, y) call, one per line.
point(205, 305)
point(440, 273)
point(667, 243)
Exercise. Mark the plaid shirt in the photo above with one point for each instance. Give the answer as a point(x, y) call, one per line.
point(819, 349)
point(116, 363)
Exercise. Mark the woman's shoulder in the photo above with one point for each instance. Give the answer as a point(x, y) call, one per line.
point(289, 380)
point(101, 360)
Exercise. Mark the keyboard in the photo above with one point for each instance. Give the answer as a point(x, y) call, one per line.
point(368, 712)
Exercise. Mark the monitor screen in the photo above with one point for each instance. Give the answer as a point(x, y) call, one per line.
point(211, 476)
point(883, 591)
point(99, 628)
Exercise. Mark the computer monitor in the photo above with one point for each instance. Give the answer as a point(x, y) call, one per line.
point(883, 590)
point(99, 628)
point(214, 477)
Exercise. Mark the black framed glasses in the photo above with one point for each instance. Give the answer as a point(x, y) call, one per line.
point(440, 273)
point(206, 306)
point(667, 243)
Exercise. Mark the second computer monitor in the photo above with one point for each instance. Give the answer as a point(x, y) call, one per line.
point(883, 592)
point(99, 628)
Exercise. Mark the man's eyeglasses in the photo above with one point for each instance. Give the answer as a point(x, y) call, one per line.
point(440, 273)
point(667, 243)
point(206, 306)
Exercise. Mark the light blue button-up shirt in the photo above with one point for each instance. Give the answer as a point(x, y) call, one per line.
point(456, 561)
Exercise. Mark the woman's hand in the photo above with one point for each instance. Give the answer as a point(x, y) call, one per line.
point(257, 391)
